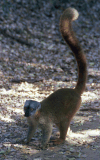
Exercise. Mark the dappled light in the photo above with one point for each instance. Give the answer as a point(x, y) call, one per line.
point(35, 62)
point(89, 96)
point(84, 136)
point(7, 120)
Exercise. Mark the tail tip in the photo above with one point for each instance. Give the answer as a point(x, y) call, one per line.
point(70, 13)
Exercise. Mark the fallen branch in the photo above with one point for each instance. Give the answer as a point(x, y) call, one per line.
point(90, 109)
point(22, 41)
point(25, 80)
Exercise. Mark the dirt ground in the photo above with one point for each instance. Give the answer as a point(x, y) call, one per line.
point(34, 62)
